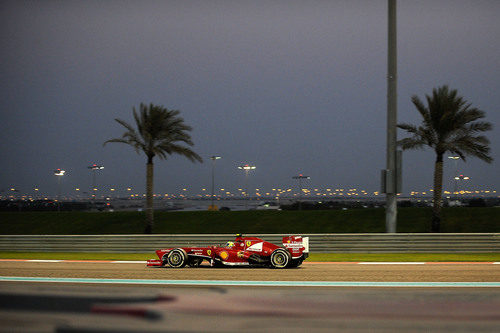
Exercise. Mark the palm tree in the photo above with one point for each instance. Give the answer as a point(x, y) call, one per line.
point(160, 132)
point(449, 124)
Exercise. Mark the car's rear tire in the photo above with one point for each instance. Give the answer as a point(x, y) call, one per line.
point(280, 258)
point(177, 258)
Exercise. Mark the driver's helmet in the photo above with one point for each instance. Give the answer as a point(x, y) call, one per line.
point(229, 244)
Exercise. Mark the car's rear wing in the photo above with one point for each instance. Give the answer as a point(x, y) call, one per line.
point(296, 244)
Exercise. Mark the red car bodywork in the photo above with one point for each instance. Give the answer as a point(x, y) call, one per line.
point(244, 251)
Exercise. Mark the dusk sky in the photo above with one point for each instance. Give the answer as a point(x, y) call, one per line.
point(288, 86)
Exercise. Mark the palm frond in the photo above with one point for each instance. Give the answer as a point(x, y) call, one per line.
point(184, 151)
point(159, 132)
point(115, 140)
point(449, 124)
point(408, 127)
point(422, 109)
point(411, 143)
point(125, 124)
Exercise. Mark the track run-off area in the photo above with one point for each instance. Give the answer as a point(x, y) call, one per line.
point(126, 296)
point(316, 274)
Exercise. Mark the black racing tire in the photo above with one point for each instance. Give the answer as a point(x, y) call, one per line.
point(280, 258)
point(177, 258)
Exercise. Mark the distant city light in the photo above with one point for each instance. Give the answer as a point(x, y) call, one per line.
point(95, 167)
point(260, 193)
point(247, 167)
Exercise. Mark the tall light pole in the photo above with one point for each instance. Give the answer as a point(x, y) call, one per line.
point(390, 175)
point(213, 158)
point(247, 169)
point(300, 177)
point(455, 176)
point(59, 173)
point(94, 167)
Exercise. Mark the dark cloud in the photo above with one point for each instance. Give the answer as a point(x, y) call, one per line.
point(290, 86)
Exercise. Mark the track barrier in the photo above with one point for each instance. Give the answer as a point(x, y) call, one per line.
point(319, 243)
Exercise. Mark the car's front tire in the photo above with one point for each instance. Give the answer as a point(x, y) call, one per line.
point(177, 258)
point(280, 258)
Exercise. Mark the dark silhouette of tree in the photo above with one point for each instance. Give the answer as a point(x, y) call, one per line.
point(449, 124)
point(160, 132)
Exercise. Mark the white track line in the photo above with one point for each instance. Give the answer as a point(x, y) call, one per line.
point(305, 263)
point(391, 263)
point(253, 283)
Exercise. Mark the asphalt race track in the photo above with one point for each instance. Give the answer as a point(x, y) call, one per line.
point(82, 307)
point(450, 272)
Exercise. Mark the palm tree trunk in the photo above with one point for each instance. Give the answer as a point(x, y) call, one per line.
point(149, 197)
point(438, 194)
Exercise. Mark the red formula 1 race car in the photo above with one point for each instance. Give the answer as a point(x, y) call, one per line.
point(243, 251)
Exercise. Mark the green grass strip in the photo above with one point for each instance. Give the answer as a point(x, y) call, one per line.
point(404, 257)
point(76, 256)
point(324, 257)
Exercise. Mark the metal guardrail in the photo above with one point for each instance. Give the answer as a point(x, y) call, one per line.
point(319, 243)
